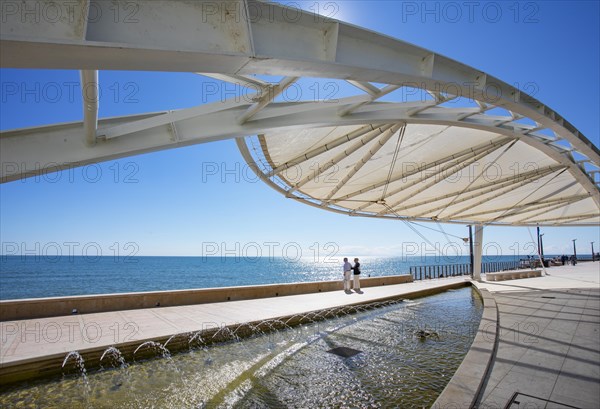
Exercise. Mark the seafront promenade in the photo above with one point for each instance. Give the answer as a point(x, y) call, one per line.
point(546, 353)
point(537, 345)
point(548, 348)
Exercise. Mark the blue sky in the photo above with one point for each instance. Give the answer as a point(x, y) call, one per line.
point(174, 203)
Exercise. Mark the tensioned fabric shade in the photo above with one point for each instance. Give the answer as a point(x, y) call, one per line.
point(428, 172)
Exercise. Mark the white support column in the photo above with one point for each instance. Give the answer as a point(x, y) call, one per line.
point(477, 252)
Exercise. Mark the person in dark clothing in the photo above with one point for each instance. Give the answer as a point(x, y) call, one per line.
point(356, 271)
point(564, 259)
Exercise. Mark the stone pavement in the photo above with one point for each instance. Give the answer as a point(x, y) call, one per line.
point(548, 349)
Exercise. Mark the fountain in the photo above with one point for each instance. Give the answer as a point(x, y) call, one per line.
point(285, 362)
point(170, 339)
point(157, 346)
point(80, 367)
point(225, 333)
point(195, 336)
point(117, 356)
point(79, 363)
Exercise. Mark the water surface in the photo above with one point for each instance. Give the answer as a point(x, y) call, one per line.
point(291, 368)
point(33, 276)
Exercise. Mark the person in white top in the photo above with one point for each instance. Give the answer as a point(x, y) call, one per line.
point(347, 270)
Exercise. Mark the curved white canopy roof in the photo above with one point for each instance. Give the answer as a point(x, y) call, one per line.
point(420, 171)
point(422, 160)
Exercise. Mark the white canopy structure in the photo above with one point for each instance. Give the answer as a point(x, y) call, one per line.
point(418, 170)
point(413, 160)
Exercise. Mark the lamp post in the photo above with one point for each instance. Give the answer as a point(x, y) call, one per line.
point(540, 245)
point(593, 255)
point(574, 249)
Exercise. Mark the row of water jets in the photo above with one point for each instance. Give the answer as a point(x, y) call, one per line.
point(195, 339)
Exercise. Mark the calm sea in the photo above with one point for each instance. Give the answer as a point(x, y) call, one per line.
point(33, 277)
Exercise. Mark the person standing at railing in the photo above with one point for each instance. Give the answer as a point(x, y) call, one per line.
point(356, 270)
point(347, 270)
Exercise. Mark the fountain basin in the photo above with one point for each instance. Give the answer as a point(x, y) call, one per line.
point(291, 367)
point(45, 363)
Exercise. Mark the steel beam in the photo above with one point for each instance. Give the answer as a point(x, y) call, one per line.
point(252, 37)
point(57, 146)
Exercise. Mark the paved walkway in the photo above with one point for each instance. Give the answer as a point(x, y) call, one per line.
point(549, 343)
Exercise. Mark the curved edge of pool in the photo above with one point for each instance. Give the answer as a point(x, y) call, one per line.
point(465, 387)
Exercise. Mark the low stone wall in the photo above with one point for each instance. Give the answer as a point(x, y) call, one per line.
point(85, 304)
point(512, 275)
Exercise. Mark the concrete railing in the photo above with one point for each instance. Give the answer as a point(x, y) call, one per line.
point(513, 275)
point(84, 304)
